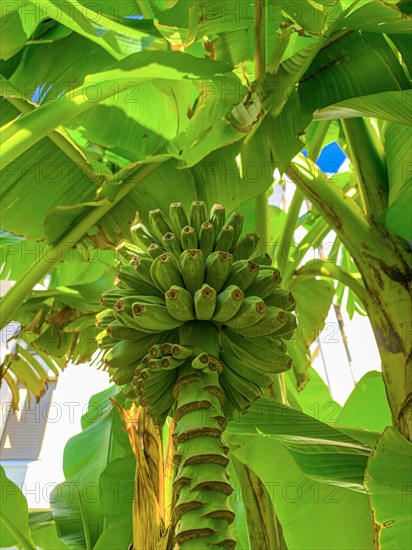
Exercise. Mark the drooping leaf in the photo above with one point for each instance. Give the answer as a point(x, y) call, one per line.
point(310, 512)
point(321, 451)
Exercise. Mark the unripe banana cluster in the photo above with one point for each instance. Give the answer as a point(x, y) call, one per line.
point(196, 329)
point(190, 267)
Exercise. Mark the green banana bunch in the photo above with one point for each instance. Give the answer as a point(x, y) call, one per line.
point(196, 328)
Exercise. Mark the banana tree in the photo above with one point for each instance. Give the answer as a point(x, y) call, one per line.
point(86, 144)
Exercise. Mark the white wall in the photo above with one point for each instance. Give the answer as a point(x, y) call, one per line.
point(74, 388)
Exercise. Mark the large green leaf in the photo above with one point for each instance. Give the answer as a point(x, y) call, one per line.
point(388, 482)
point(312, 514)
point(321, 451)
point(351, 66)
point(38, 74)
point(75, 503)
point(117, 483)
point(40, 179)
point(398, 143)
point(14, 527)
point(367, 406)
point(137, 69)
point(391, 106)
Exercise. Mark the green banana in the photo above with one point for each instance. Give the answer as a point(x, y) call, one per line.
point(131, 277)
point(156, 351)
point(127, 353)
point(165, 272)
point(155, 250)
point(145, 384)
point(125, 251)
point(225, 238)
point(243, 274)
point(235, 398)
point(263, 358)
point(281, 298)
point(148, 374)
point(205, 302)
point(180, 352)
point(266, 283)
point(246, 247)
point(110, 297)
point(160, 407)
point(228, 304)
point(206, 238)
point(262, 259)
point(188, 238)
point(129, 391)
point(288, 329)
point(154, 317)
point(217, 269)
point(123, 311)
point(247, 388)
point(159, 223)
point(123, 375)
point(179, 303)
point(118, 331)
point(142, 267)
point(236, 221)
point(141, 236)
point(172, 244)
point(103, 340)
point(167, 348)
point(201, 361)
point(252, 310)
point(169, 362)
point(192, 266)
point(178, 217)
point(123, 314)
point(152, 393)
point(274, 320)
point(155, 396)
point(245, 369)
point(198, 215)
point(215, 365)
point(103, 318)
point(217, 217)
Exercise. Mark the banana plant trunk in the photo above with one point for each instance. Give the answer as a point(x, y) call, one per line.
point(389, 311)
point(384, 261)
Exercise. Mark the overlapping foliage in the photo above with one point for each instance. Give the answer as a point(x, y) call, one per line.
point(113, 108)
